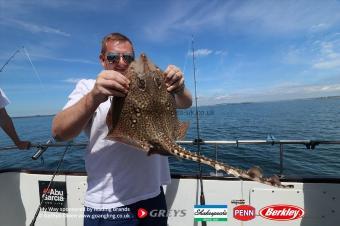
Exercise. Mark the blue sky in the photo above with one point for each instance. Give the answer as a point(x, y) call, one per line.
point(246, 50)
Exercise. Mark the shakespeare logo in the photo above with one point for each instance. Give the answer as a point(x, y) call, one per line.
point(211, 213)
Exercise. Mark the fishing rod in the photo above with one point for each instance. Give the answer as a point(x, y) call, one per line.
point(41, 148)
point(25, 52)
point(10, 58)
point(45, 145)
point(34, 68)
point(198, 140)
point(68, 146)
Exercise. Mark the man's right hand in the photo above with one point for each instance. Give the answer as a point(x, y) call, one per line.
point(110, 83)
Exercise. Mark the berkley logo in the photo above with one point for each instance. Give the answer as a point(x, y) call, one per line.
point(244, 212)
point(282, 212)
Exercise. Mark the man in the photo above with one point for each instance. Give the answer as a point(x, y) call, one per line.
point(7, 124)
point(121, 179)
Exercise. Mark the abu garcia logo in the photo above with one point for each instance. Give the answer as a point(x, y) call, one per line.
point(53, 194)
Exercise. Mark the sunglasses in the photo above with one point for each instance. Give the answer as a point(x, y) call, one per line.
point(115, 57)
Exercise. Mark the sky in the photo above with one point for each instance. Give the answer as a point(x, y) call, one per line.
point(246, 51)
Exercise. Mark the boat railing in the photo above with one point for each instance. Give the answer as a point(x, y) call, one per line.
point(309, 144)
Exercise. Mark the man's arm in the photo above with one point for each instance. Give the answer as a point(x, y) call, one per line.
point(183, 98)
point(174, 79)
point(7, 125)
point(69, 123)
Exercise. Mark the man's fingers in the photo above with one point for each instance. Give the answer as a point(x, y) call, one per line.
point(109, 91)
point(181, 82)
point(176, 85)
point(113, 75)
point(113, 92)
point(23, 145)
point(114, 85)
point(174, 78)
point(170, 72)
point(170, 67)
point(117, 93)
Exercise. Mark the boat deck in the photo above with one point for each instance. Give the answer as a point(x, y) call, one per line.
point(319, 197)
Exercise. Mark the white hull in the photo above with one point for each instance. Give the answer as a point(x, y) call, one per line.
point(19, 199)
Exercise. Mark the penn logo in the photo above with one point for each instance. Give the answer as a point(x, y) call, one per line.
point(282, 212)
point(244, 212)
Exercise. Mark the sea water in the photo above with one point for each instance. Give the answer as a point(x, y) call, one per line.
point(296, 119)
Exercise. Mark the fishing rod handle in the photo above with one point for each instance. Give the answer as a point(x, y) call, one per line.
point(41, 150)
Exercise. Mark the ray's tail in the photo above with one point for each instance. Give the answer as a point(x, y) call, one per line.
point(253, 174)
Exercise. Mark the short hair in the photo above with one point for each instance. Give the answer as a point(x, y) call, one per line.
point(114, 37)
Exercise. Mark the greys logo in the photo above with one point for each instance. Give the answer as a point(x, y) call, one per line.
point(142, 213)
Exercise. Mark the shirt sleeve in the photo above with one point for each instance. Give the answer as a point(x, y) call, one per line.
point(83, 87)
point(3, 99)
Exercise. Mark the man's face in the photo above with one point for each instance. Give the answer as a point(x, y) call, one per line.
point(116, 47)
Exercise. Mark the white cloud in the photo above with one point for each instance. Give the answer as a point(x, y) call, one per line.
point(157, 27)
point(68, 60)
point(327, 49)
point(224, 97)
point(330, 64)
point(255, 17)
point(72, 80)
point(296, 55)
point(24, 7)
point(48, 49)
point(319, 27)
point(280, 92)
point(329, 57)
point(206, 52)
point(319, 54)
point(201, 52)
point(33, 28)
point(221, 52)
point(320, 89)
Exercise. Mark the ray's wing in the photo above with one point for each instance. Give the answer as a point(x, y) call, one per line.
point(182, 130)
point(115, 111)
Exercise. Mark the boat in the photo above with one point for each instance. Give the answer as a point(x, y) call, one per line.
point(56, 198)
point(309, 201)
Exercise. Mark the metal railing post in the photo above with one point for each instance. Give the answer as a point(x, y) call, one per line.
point(281, 160)
point(215, 158)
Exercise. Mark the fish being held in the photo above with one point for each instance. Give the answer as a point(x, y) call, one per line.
point(146, 119)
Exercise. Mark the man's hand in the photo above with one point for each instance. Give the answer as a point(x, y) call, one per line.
point(23, 144)
point(110, 83)
point(174, 79)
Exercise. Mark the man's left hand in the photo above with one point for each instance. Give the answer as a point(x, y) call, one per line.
point(22, 145)
point(174, 79)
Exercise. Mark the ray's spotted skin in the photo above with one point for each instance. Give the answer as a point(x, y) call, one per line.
point(146, 118)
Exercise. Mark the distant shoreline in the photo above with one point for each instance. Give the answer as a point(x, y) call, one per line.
point(270, 101)
point(33, 116)
point(311, 98)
